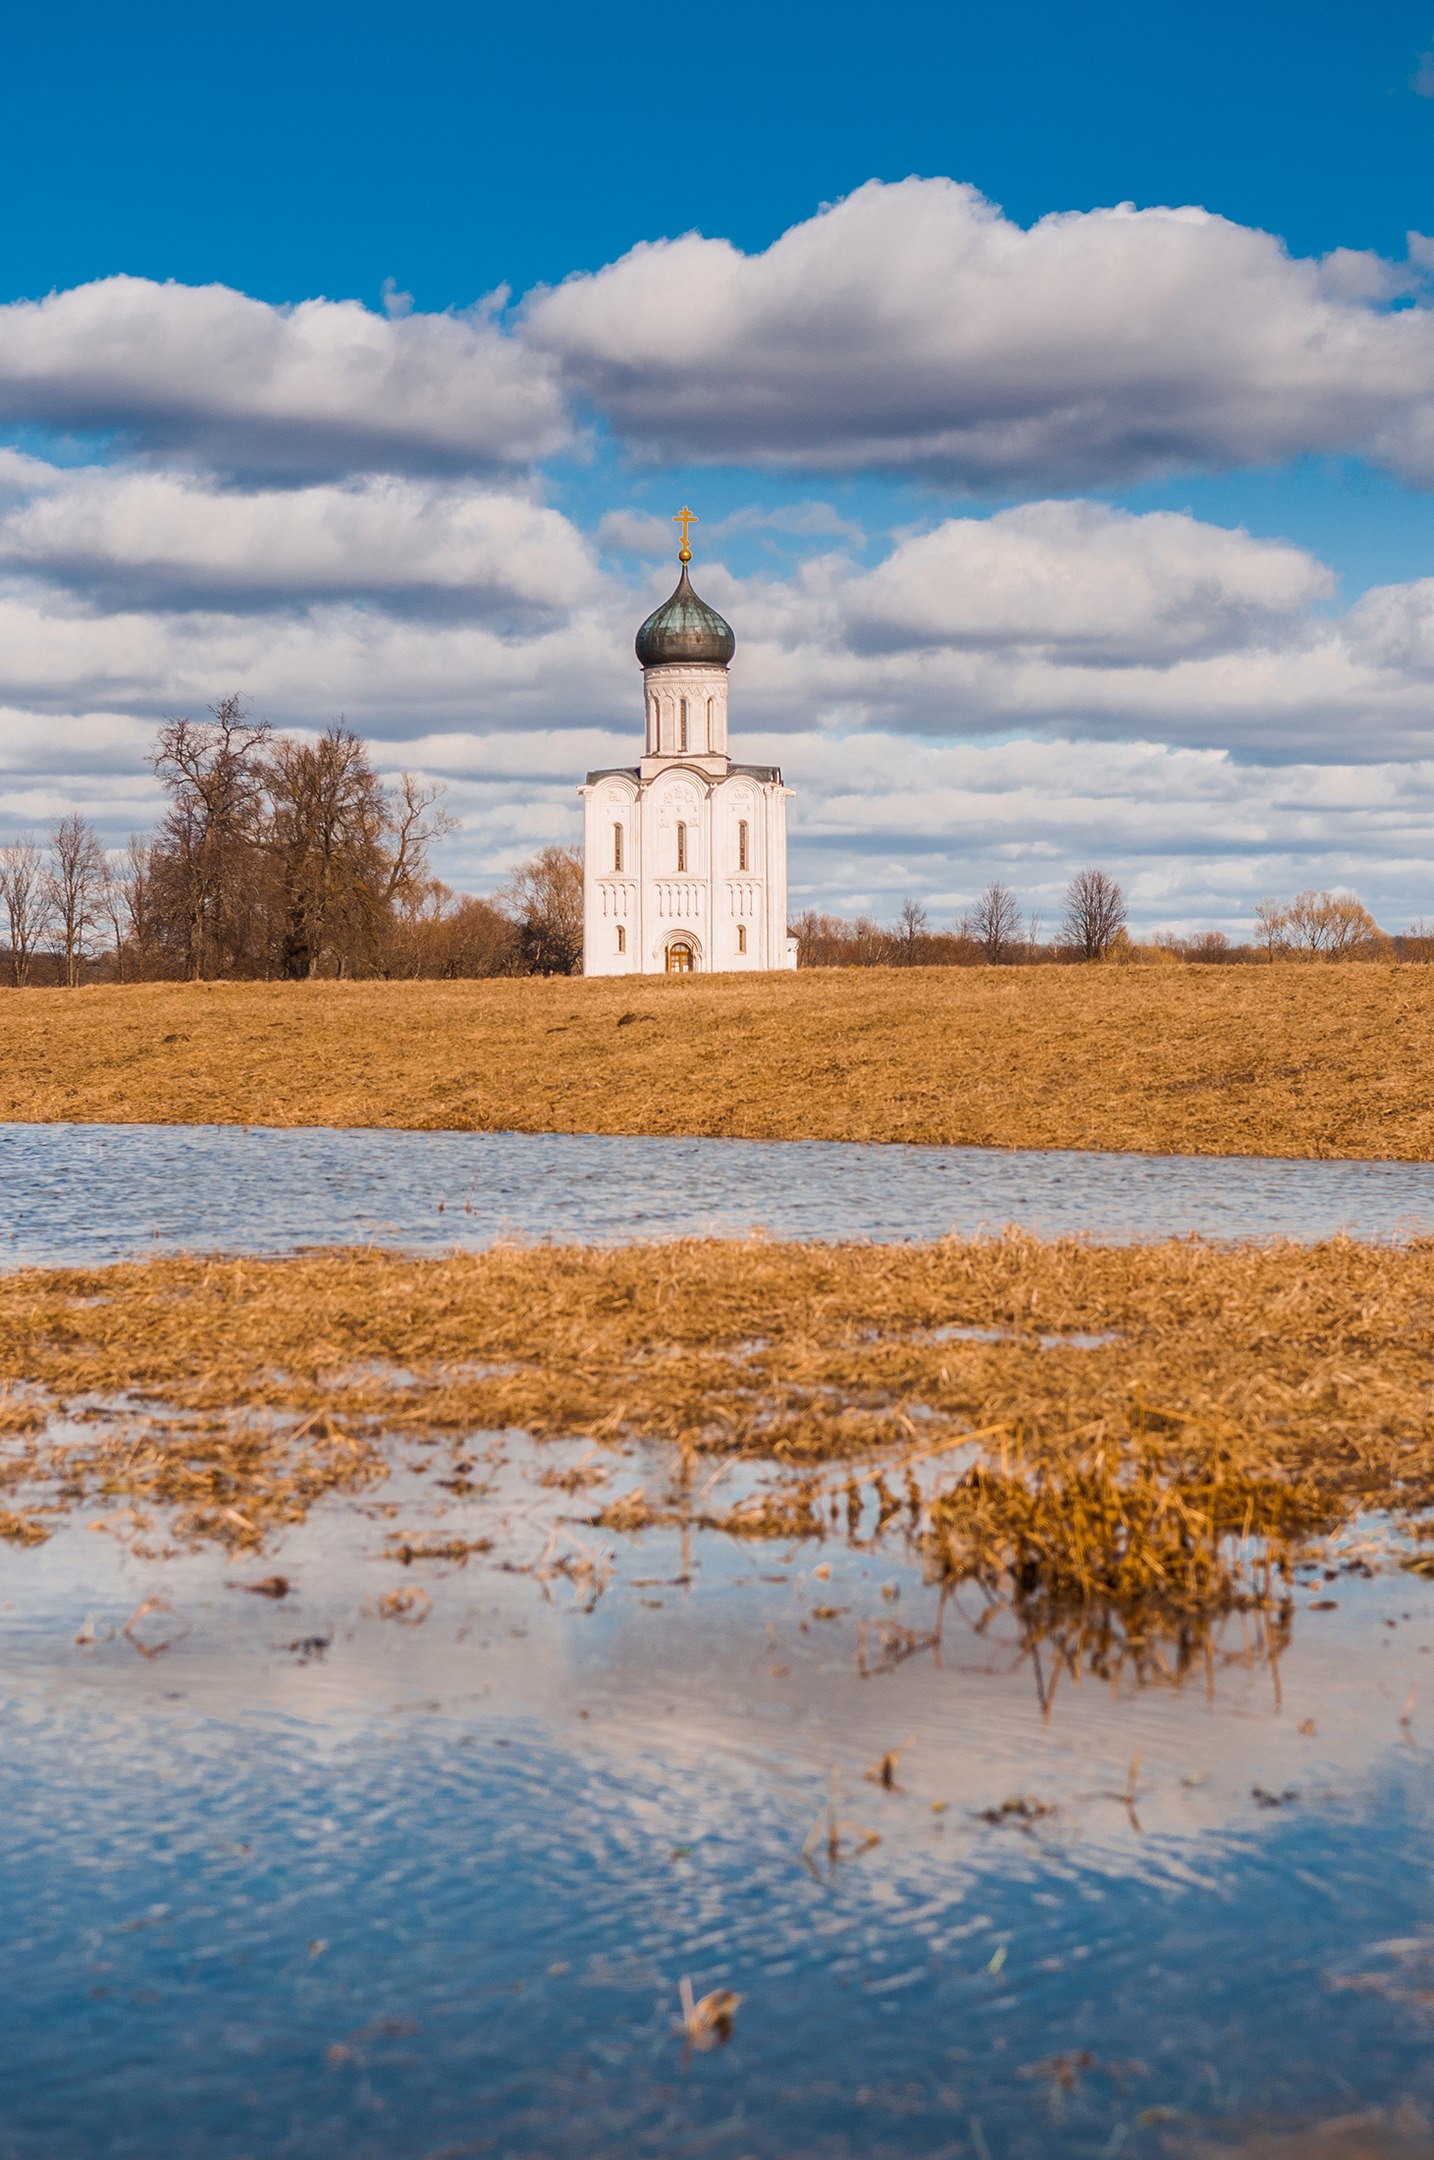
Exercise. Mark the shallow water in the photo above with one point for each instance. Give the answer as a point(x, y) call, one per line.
point(314, 1882)
point(308, 1880)
point(82, 1194)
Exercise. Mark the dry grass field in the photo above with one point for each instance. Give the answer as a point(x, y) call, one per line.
point(1135, 1406)
point(1284, 1060)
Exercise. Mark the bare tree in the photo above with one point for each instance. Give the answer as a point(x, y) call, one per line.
point(545, 899)
point(214, 772)
point(911, 928)
point(27, 915)
point(1210, 948)
point(437, 932)
point(132, 908)
point(74, 880)
point(124, 907)
point(1329, 926)
point(1094, 916)
point(831, 941)
point(995, 923)
point(1272, 927)
point(114, 915)
point(415, 822)
point(325, 835)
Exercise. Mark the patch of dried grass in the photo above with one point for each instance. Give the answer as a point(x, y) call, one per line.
point(1226, 1393)
point(21, 1529)
point(229, 1480)
point(1131, 1525)
point(1282, 1060)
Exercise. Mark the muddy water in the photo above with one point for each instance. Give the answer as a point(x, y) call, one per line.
point(311, 1880)
point(92, 1193)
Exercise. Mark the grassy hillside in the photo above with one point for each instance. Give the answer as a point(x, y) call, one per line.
point(1284, 1060)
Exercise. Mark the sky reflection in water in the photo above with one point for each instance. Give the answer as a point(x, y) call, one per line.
point(80, 1194)
point(404, 1897)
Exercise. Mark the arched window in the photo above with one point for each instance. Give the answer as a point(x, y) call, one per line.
point(682, 725)
point(744, 848)
point(741, 937)
point(621, 938)
point(682, 847)
point(617, 848)
point(711, 719)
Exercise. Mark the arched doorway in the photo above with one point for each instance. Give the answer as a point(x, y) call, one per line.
point(681, 959)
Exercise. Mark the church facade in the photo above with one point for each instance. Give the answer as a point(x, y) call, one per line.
point(685, 853)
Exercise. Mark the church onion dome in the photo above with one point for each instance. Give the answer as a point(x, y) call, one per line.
point(685, 628)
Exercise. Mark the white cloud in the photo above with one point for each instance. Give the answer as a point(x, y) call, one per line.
point(302, 669)
point(1073, 617)
point(1175, 700)
point(1086, 582)
point(413, 605)
point(174, 539)
point(1196, 837)
point(321, 387)
point(635, 532)
point(912, 326)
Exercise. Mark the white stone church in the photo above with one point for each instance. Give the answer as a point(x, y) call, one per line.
point(685, 854)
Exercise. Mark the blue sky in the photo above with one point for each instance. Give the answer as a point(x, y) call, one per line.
point(960, 682)
point(292, 149)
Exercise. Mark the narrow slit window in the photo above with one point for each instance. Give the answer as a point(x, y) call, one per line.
point(617, 847)
point(682, 847)
point(741, 937)
point(711, 720)
point(744, 846)
point(682, 725)
point(621, 938)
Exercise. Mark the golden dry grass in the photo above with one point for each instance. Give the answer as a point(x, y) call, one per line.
point(1291, 1381)
point(1285, 1060)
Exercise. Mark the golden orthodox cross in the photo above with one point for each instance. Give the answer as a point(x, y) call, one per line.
point(684, 518)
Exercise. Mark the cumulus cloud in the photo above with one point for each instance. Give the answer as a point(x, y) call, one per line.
point(1062, 616)
point(1014, 696)
point(384, 671)
point(176, 540)
point(1195, 836)
point(1090, 583)
point(911, 327)
point(320, 387)
point(914, 327)
point(140, 592)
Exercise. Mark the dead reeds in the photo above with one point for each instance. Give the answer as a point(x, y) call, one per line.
point(1102, 1429)
point(1130, 1524)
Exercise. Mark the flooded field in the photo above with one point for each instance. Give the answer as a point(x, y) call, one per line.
point(466, 1817)
point(82, 1194)
point(415, 1859)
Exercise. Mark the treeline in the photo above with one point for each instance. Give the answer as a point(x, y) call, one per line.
point(994, 933)
point(1093, 927)
point(275, 858)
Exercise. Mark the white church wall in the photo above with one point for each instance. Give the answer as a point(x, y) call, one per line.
point(704, 692)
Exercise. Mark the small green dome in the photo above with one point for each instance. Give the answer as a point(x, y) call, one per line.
point(685, 628)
